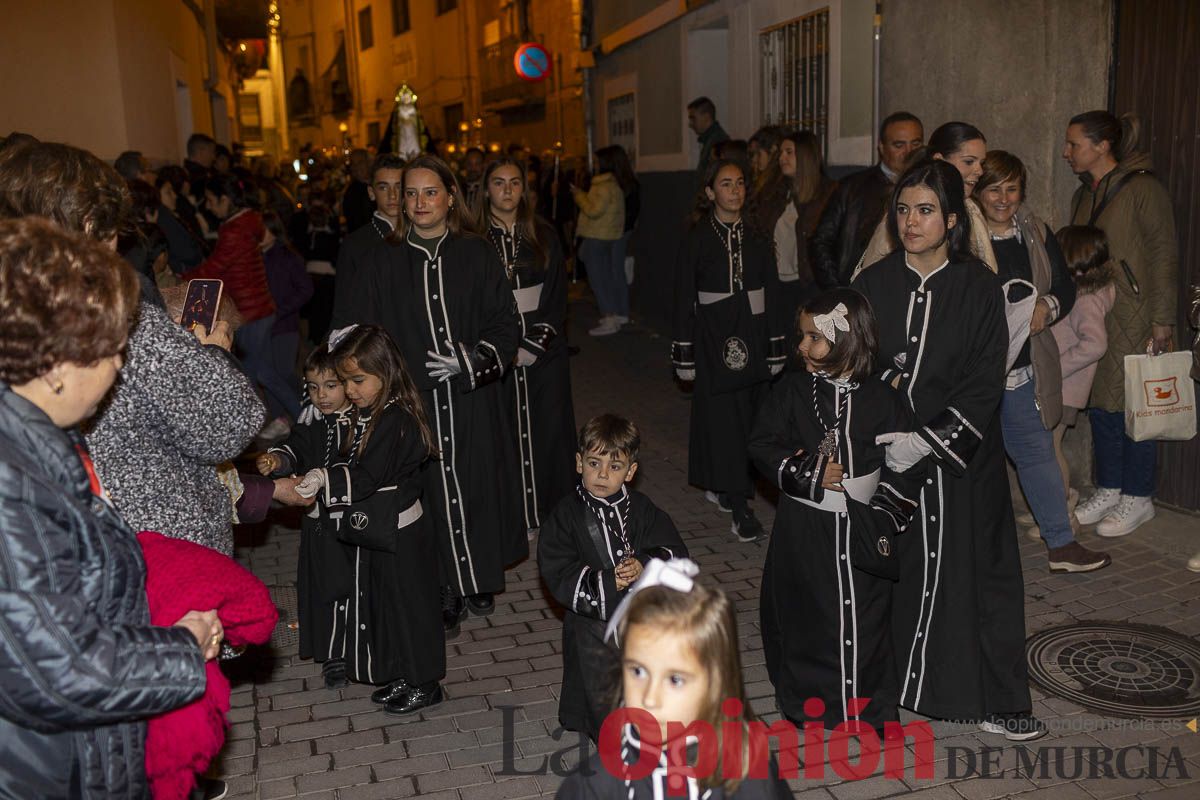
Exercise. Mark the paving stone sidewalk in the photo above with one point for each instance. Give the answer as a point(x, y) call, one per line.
point(291, 737)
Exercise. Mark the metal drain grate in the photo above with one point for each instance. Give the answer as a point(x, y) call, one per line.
point(1119, 669)
point(284, 637)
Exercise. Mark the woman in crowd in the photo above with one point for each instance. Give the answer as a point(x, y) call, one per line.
point(539, 385)
point(959, 621)
point(441, 293)
point(632, 191)
point(291, 287)
point(1120, 196)
point(238, 261)
point(601, 225)
point(725, 282)
point(141, 243)
point(1040, 291)
point(963, 147)
point(177, 219)
point(763, 153)
point(81, 667)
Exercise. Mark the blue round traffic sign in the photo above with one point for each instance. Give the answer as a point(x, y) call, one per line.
point(532, 62)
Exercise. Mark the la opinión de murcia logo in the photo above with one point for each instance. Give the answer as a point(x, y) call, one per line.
point(744, 750)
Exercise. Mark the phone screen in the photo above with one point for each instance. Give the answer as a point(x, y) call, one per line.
point(201, 304)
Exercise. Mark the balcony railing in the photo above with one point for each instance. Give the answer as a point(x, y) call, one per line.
point(501, 86)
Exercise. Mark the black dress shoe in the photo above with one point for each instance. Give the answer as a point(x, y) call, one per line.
point(482, 604)
point(453, 609)
point(394, 690)
point(422, 697)
point(208, 789)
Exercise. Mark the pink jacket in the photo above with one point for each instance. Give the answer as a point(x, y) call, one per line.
point(1082, 341)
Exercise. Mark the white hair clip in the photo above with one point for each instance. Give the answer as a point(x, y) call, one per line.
point(338, 334)
point(829, 324)
point(677, 574)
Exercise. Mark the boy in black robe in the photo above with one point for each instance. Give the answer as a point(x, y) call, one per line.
point(591, 548)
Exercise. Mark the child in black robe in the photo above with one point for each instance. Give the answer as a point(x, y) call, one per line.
point(827, 582)
point(324, 573)
point(591, 548)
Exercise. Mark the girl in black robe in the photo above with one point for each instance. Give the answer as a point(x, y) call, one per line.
point(728, 339)
point(827, 582)
point(393, 635)
point(959, 621)
point(324, 573)
point(441, 292)
point(539, 384)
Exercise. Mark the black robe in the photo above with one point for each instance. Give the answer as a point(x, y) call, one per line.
point(325, 572)
point(457, 302)
point(826, 598)
point(393, 618)
point(578, 551)
point(539, 395)
point(352, 254)
point(593, 781)
point(706, 335)
point(959, 621)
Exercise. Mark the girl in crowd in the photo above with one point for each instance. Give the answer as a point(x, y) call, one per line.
point(1081, 336)
point(1039, 291)
point(1120, 196)
point(680, 665)
point(291, 287)
point(601, 226)
point(728, 339)
point(81, 667)
point(963, 147)
point(325, 573)
point(959, 621)
point(539, 386)
point(392, 635)
point(763, 152)
point(827, 582)
point(238, 261)
point(442, 294)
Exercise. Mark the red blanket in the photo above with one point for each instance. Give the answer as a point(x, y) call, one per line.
point(181, 577)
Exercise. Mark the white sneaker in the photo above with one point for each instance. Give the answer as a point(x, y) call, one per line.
point(275, 429)
point(607, 327)
point(1096, 507)
point(1127, 517)
point(1194, 563)
point(620, 320)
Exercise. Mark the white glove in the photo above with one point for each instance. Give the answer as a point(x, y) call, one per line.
point(776, 369)
point(904, 450)
point(525, 358)
point(309, 414)
point(313, 480)
point(685, 374)
point(442, 368)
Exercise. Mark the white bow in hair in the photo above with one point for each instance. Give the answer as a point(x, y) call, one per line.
point(829, 324)
point(337, 335)
point(675, 574)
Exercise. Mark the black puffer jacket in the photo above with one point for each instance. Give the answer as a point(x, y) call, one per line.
point(850, 217)
point(80, 664)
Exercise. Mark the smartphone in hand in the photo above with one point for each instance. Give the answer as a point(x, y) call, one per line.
point(201, 303)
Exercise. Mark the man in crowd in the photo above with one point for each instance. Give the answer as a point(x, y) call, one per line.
point(472, 175)
point(386, 192)
point(133, 166)
point(357, 203)
point(702, 118)
point(201, 152)
point(859, 203)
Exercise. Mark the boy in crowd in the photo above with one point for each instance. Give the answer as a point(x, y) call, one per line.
point(591, 548)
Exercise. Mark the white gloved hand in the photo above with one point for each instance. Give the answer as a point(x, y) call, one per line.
point(309, 414)
point(686, 375)
point(313, 480)
point(904, 450)
point(525, 358)
point(776, 369)
point(442, 368)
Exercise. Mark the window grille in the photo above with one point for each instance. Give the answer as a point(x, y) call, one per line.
point(795, 74)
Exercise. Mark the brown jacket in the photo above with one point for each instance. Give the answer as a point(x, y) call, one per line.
point(1043, 348)
point(1140, 226)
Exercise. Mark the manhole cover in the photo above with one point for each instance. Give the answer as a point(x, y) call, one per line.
point(285, 634)
point(1119, 669)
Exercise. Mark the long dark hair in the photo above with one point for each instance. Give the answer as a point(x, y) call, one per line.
point(1121, 133)
point(377, 354)
point(809, 169)
point(459, 219)
point(950, 137)
point(274, 223)
point(614, 159)
point(854, 351)
point(703, 206)
point(526, 223)
point(238, 191)
point(945, 181)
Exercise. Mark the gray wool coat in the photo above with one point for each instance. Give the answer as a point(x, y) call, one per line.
point(179, 409)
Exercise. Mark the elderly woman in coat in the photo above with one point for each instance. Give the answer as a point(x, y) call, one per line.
point(81, 667)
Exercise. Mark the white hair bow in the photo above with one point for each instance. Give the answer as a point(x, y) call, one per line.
point(338, 334)
point(675, 574)
point(829, 324)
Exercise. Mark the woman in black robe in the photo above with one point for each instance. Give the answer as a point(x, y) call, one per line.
point(728, 340)
point(441, 292)
point(539, 384)
point(959, 614)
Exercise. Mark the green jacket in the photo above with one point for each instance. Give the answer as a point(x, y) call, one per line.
point(1140, 225)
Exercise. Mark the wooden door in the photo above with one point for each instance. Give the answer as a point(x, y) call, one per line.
point(1157, 64)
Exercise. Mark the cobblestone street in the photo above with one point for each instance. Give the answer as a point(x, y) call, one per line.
point(292, 737)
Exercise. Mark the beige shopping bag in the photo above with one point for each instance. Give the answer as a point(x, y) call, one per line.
point(1160, 397)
